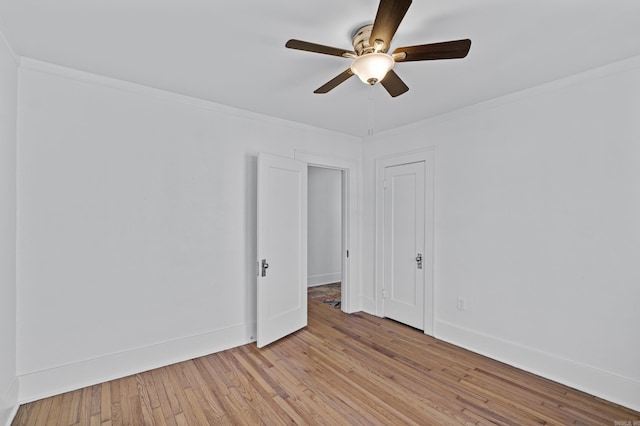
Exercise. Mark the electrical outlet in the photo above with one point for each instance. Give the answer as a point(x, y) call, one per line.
point(461, 305)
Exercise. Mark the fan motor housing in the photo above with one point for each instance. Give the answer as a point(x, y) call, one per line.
point(361, 38)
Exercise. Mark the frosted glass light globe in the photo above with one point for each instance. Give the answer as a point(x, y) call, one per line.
point(372, 67)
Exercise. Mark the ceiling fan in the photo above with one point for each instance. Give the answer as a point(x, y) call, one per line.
point(371, 62)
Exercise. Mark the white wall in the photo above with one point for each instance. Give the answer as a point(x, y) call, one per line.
point(538, 228)
point(325, 226)
point(8, 118)
point(137, 225)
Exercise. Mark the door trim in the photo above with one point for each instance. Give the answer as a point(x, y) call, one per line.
point(351, 224)
point(429, 157)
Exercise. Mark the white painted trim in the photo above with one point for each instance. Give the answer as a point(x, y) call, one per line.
point(601, 383)
point(352, 224)
point(368, 305)
point(54, 381)
point(14, 55)
point(429, 157)
point(135, 88)
point(618, 67)
point(322, 279)
point(10, 398)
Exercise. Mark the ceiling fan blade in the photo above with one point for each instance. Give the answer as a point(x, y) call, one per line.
point(331, 84)
point(428, 52)
point(390, 14)
point(319, 48)
point(394, 84)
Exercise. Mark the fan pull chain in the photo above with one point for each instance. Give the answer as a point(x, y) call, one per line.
point(371, 105)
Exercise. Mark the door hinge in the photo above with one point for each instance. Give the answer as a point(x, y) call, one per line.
point(384, 293)
point(384, 184)
point(347, 253)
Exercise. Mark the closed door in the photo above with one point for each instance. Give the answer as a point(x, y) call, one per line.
point(282, 247)
point(404, 243)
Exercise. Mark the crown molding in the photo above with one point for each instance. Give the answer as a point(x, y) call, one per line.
point(14, 55)
point(623, 66)
point(36, 65)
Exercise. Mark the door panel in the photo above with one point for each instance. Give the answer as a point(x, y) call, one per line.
point(404, 241)
point(282, 245)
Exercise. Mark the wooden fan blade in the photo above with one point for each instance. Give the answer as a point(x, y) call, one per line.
point(331, 84)
point(319, 48)
point(390, 14)
point(394, 84)
point(428, 52)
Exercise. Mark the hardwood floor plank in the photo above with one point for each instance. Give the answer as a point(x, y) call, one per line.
point(315, 391)
point(144, 399)
point(95, 420)
point(163, 375)
point(84, 406)
point(152, 392)
point(158, 417)
point(116, 407)
point(196, 409)
point(105, 402)
point(254, 377)
point(55, 410)
point(215, 379)
point(305, 404)
point(180, 395)
point(340, 370)
point(264, 411)
point(74, 408)
point(181, 420)
point(123, 400)
point(96, 399)
point(203, 391)
point(164, 409)
point(218, 393)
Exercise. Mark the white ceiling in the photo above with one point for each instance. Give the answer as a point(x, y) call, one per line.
point(233, 52)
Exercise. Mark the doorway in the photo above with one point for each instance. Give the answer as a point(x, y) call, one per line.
point(404, 217)
point(350, 223)
point(282, 240)
point(325, 234)
point(405, 239)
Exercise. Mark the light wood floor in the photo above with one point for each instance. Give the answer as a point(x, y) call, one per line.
point(341, 369)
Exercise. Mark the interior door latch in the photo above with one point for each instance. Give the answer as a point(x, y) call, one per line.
point(419, 260)
point(264, 267)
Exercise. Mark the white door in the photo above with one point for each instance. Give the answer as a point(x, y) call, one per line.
point(282, 247)
point(404, 243)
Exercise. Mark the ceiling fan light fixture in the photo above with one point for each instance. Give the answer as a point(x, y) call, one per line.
point(372, 67)
point(371, 42)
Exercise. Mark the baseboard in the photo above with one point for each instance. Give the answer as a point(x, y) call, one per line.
point(603, 384)
point(316, 280)
point(9, 404)
point(43, 384)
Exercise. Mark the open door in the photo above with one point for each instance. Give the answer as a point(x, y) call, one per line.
point(282, 247)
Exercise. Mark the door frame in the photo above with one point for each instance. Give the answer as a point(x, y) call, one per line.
point(429, 157)
point(351, 221)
